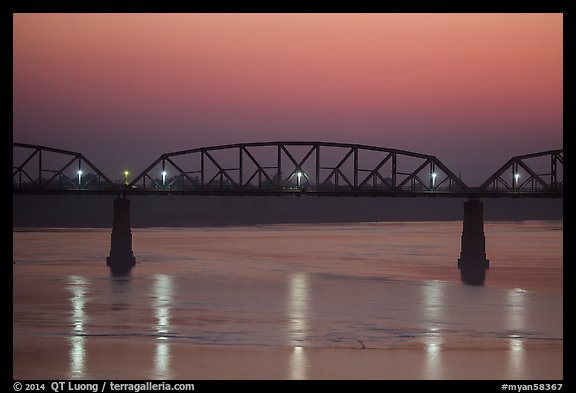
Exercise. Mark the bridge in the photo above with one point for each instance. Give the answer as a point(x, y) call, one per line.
point(286, 168)
point(290, 168)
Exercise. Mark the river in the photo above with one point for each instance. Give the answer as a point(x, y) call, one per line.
point(316, 301)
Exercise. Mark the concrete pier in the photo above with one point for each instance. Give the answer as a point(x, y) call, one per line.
point(121, 259)
point(472, 262)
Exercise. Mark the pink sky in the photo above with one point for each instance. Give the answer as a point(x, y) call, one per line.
point(472, 89)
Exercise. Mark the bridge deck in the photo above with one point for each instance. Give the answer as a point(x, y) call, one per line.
point(294, 192)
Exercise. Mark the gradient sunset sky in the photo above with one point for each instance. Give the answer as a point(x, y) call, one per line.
point(471, 89)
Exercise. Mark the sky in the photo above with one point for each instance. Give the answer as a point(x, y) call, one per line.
point(471, 89)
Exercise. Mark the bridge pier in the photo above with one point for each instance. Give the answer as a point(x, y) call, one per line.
point(121, 259)
point(472, 262)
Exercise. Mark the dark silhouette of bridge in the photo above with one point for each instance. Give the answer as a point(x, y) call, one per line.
point(290, 168)
point(285, 168)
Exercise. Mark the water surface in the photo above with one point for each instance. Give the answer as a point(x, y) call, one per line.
point(289, 302)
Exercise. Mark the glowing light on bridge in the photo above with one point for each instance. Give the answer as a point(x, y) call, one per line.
point(80, 177)
point(433, 179)
point(126, 173)
point(299, 176)
point(164, 178)
point(516, 177)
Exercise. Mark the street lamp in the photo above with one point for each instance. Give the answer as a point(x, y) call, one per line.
point(126, 182)
point(163, 178)
point(516, 177)
point(299, 176)
point(79, 176)
point(433, 179)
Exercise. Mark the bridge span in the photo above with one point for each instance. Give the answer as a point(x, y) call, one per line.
point(286, 168)
point(290, 168)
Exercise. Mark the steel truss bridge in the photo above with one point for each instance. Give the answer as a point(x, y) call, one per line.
point(286, 168)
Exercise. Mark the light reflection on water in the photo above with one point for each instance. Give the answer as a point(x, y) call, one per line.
point(248, 297)
point(163, 290)
point(78, 285)
point(516, 323)
point(433, 306)
point(297, 310)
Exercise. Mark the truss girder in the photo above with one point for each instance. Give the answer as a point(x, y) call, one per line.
point(276, 168)
point(312, 166)
point(38, 172)
point(537, 172)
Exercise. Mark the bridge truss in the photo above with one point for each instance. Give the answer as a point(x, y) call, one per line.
point(538, 173)
point(279, 168)
point(41, 169)
point(297, 167)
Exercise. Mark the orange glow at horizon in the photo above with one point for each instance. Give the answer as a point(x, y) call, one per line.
point(368, 57)
point(239, 72)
